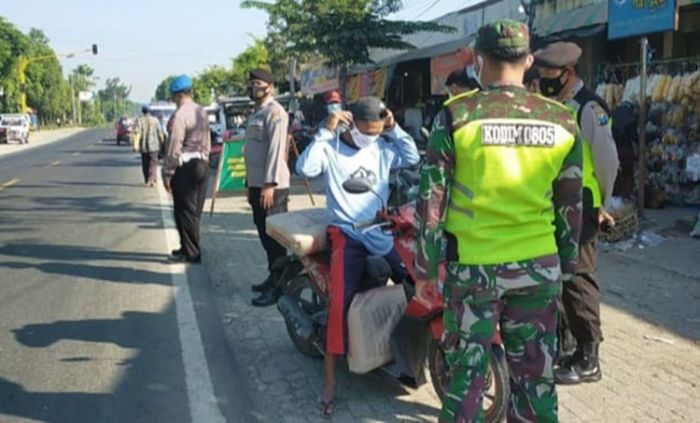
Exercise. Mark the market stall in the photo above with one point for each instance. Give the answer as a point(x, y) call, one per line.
point(672, 126)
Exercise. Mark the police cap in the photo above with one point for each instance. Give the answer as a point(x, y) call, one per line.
point(262, 75)
point(558, 55)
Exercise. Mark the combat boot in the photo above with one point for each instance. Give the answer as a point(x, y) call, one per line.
point(264, 285)
point(583, 366)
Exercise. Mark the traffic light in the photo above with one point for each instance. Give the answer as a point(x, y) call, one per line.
point(94, 49)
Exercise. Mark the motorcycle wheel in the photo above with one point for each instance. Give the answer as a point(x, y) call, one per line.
point(497, 386)
point(301, 290)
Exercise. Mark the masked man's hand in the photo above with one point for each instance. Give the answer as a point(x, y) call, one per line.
point(338, 118)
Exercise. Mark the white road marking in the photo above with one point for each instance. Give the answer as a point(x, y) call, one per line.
point(200, 391)
point(56, 163)
point(77, 153)
point(9, 184)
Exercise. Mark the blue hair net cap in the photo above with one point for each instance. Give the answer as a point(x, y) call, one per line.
point(181, 83)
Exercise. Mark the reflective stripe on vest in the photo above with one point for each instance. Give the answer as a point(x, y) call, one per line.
point(590, 181)
point(501, 195)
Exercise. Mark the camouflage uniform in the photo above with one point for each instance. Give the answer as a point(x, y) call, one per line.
point(522, 295)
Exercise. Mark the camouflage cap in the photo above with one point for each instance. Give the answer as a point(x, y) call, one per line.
point(505, 33)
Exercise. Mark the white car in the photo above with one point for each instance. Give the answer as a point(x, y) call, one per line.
point(14, 127)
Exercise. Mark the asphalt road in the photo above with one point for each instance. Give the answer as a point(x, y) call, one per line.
point(95, 325)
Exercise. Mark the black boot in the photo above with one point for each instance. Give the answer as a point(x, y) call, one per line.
point(264, 285)
point(582, 367)
point(267, 298)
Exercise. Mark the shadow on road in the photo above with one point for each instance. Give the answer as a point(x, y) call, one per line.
point(154, 379)
point(74, 253)
point(103, 273)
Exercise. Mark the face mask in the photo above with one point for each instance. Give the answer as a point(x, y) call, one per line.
point(362, 140)
point(552, 87)
point(257, 93)
point(334, 107)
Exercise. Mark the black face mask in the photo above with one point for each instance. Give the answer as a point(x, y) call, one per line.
point(552, 87)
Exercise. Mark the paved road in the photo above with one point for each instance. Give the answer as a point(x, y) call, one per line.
point(91, 326)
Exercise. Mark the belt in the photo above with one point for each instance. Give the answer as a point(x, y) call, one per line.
point(188, 156)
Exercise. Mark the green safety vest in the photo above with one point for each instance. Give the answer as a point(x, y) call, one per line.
point(501, 195)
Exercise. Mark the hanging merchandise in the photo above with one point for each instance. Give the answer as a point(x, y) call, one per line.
point(672, 97)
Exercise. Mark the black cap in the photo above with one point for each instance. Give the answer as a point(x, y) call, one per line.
point(262, 75)
point(531, 74)
point(558, 55)
point(144, 109)
point(370, 109)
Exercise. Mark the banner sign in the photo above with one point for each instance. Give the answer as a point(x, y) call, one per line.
point(317, 81)
point(442, 66)
point(372, 83)
point(233, 171)
point(629, 18)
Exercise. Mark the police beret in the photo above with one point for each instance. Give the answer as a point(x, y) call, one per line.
point(504, 33)
point(558, 55)
point(262, 75)
point(181, 83)
point(369, 109)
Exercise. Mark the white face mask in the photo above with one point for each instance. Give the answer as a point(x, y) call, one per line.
point(362, 140)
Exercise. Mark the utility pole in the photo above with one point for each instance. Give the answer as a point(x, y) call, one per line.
point(72, 96)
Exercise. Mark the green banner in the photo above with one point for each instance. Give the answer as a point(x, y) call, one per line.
point(233, 171)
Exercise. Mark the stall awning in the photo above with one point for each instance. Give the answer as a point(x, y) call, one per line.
point(582, 17)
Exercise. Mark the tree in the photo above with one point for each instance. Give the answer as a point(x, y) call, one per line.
point(218, 79)
point(114, 99)
point(163, 89)
point(340, 31)
point(255, 56)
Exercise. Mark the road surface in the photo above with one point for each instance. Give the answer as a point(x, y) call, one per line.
point(95, 325)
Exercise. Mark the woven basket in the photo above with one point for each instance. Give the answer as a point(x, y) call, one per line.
point(626, 224)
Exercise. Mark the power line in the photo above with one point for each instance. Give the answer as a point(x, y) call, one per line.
point(427, 9)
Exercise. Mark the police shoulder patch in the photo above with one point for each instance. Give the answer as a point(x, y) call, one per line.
point(600, 114)
point(518, 134)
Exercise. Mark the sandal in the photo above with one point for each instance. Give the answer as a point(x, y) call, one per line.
point(327, 407)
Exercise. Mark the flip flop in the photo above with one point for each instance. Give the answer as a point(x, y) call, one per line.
point(327, 407)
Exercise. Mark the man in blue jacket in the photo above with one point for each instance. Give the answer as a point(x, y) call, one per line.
point(364, 142)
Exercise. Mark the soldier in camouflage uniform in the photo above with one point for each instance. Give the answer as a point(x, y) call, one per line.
point(502, 183)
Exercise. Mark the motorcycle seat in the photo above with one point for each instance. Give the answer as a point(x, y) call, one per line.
point(303, 232)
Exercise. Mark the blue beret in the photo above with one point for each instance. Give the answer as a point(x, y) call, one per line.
point(181, 83)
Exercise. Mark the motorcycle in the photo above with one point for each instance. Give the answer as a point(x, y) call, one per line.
point(125, 131)
point(416, 339)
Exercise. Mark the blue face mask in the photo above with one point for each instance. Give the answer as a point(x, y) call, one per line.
point(334, 107)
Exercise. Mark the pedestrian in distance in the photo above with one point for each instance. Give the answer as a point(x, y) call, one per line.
point(268, 174)
point(557, 64)
point(186, 169)
point(502, 185)
point(148, 139)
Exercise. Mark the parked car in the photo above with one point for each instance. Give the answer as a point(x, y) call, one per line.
point(14, 127)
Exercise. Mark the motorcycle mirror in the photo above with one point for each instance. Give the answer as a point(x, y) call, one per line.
point(357, 185)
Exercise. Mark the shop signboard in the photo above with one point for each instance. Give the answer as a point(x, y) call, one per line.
point(320, 80)
point(629, 18)
point(372, 83)
point(442, 66)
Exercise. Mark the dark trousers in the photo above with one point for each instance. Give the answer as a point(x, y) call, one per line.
point(189, 187)
point(279, 205)
point(149, 166)
point(348, 258)
point(581, 298)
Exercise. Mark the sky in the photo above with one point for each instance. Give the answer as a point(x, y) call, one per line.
point(142, 42)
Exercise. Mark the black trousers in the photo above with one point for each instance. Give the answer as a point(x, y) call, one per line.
point(279, 205)
point(581, 298)
point(189, 187)
point(149, 166)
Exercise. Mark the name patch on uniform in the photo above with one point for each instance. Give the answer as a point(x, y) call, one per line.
point(530, 135)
